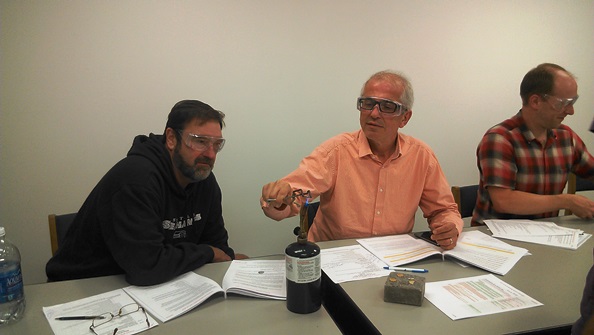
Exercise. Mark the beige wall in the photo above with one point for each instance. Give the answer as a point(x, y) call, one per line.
point(79, 79)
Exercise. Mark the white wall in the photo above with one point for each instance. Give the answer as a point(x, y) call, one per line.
point(79, 79)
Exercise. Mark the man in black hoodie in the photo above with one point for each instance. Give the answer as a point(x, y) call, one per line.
point(157, 213)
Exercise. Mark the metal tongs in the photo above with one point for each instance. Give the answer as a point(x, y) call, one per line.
point(294, 195)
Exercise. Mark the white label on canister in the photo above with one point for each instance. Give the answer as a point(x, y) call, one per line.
point(303, 270)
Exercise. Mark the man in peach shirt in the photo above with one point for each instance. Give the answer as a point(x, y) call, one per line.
point(371, 181)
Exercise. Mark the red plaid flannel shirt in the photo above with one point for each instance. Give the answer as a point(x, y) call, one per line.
point(509, 156)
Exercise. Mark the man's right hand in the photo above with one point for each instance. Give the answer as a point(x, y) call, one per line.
point(280, 191)
point(581, 206)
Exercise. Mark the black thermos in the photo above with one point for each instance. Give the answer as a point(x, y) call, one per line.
point(304, 272)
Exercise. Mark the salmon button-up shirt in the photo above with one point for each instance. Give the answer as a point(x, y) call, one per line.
point(362, 197)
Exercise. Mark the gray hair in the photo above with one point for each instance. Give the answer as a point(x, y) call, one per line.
point(396, 78)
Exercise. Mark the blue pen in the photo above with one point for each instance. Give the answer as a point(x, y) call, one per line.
point(406, 269)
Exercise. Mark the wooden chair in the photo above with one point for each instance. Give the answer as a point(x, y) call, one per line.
point(577, 184)
point(58, 226)
point(312, 209)
point(465, 197)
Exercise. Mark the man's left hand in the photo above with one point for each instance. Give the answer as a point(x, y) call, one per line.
point(445, 234)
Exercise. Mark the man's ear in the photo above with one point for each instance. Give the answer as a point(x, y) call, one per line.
point(534, 101)
point(170, 139)
point(405, 118)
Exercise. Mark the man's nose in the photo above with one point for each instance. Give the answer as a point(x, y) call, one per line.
point(375, 111)
point(569, 110)
point(210, 152)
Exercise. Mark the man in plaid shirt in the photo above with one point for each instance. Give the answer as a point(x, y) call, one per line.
point(524, 161)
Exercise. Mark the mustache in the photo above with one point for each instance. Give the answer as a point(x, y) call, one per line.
point(204, 160)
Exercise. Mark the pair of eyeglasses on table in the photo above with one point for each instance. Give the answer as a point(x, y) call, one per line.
point(101, 325)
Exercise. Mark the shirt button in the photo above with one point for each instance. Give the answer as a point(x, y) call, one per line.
point(378, 212)
point(381, 189)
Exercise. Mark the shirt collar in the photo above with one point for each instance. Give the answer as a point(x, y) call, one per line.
point(365, 149)
point(528, 135)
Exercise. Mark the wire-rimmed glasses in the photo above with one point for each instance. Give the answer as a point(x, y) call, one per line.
point(103, 319)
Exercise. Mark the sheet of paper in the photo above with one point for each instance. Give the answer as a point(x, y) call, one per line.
point(397, 250)
point(571, 241)
point(486, 252)
point(539, 232)
point(476, 296)
point(257, 278)
point(102, 303)
point(176, 297)
point(343, 264)
point(526, 227)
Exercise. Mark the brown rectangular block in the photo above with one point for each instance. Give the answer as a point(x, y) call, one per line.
point(403, 288)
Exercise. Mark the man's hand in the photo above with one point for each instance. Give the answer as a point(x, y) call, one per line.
point(445, 234)
point(219, 255)
point(280, 191)
point(581, 206)
point(241, 256)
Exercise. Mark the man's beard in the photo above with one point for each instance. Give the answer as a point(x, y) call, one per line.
point(191, 172)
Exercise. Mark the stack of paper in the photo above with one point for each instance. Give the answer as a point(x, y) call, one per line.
point(540, 232)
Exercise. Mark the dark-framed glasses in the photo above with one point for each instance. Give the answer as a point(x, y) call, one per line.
point(386, 106)
point(559, 104)
point(202, 142)
point(101, 324)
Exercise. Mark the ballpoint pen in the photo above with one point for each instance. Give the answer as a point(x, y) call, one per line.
point(406, 269)
point(80, 317)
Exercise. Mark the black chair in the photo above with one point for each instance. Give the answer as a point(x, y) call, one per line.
point(577, 184)
point(312, 209)
point(58, 226)
point(465, 197)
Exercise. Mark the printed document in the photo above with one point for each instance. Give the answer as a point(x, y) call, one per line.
point(176, 297)
point(109, 302)
point(476, 296)
point(474, 247)
point(260, 279)
point(539, 232)
point(351, 263)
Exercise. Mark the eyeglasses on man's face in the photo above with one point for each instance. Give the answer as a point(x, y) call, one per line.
point(102, 322)
point(386, 106)
point(202, 142)
point(559, 104)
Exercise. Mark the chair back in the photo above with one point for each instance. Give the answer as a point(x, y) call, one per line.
point(465, 197)
point(58, 226)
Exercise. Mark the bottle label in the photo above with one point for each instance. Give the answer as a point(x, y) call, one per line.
point(11, 285)
point(303, 270)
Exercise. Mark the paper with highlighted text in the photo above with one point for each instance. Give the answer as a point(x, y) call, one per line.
point(473, 247)
point(476, 296)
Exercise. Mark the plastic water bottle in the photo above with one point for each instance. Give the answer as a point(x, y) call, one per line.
point(12, 295)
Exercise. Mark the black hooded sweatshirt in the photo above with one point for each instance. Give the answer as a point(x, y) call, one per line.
point(139, 221)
